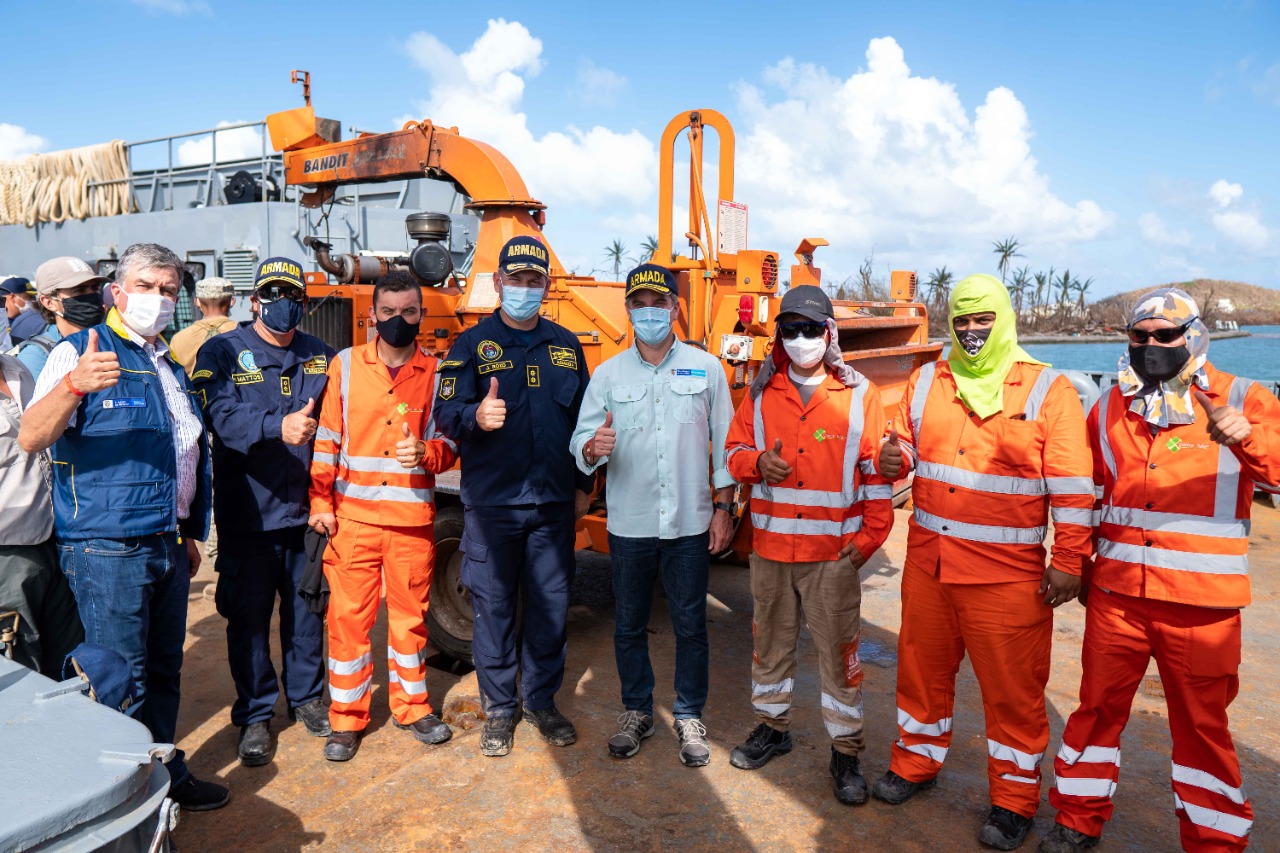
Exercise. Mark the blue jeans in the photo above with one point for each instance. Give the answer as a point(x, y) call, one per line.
point(685, 564)
point(132, 598)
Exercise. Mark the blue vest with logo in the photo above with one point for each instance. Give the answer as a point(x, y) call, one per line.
point(114, 472)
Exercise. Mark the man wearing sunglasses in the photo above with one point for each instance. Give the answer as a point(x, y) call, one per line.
point(1178, 447)
point(261, 386)
point(806, 438)
point(998, 446)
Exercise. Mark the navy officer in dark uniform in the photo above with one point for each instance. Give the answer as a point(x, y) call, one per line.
point(261, 386)
point(509, 397)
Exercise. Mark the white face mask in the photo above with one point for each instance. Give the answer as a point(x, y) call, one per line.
point(806, 352)
point(148, 313)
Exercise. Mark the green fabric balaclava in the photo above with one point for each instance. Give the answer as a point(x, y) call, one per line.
point(980, 378)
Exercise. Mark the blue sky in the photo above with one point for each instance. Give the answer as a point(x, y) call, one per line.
point(1135, 143)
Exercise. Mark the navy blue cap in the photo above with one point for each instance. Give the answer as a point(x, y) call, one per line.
point(651, 277)
point(109, 676)
point(282, 270)
point(524, 253)
point(17, 285)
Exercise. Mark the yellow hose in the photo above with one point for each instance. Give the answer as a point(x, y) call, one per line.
point(55, 187)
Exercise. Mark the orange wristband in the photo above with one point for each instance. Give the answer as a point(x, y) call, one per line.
point(72, 388)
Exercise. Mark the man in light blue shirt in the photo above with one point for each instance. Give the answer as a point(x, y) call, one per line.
point(659, 414)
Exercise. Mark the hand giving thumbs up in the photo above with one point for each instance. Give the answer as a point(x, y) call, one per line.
point(891, 457)
point(1226, 424)
point(299, 427)
point(491, 414)
point(409, 450)
point(771, 466)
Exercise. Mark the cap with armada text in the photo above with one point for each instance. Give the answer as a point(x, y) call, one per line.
point(280, 270)
point(64, 274)
point(524, 253)
point(16, 285)
point(651, 277)
point(807, 301)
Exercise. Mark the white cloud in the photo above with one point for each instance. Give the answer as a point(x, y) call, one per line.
point(242, 143)
point(1241, 227)
point(597, 87)
point(176, 7)
point(1154, 230)
point(480, 91)
point(1224, 193)
point(17, 142)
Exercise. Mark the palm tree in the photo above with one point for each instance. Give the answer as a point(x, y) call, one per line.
point(1065, 285)
point(649, 247)
point(1018, 287)
point(1082, 287)
point(1007, 250)
point(939, 285)
point(617, 253)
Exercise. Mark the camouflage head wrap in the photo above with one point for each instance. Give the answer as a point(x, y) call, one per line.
point(1168, 402)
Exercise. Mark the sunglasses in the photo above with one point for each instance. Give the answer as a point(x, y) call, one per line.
point(791, 331)
point(1164, 336)
point(273, 292)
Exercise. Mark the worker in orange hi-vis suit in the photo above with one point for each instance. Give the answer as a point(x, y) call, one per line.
point(372, 479)
point(1178, 447)
point(997, 442)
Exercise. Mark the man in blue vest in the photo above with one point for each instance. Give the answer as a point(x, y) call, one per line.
point(261, 387)
point(131, 490)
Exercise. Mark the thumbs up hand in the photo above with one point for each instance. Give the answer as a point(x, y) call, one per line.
point(604, 440)
point(1226, 424)
point(771, 466)
point(491, 414)
point(409, 450)
point(299, 427)
point(95, 371)
point(891, 457)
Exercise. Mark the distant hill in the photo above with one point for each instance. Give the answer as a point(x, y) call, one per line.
point(1253, 305)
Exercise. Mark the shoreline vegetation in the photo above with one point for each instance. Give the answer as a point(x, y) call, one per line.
point(1093, 339)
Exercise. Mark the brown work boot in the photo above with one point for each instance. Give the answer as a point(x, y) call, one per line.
point(429, 729)
point(341, 746)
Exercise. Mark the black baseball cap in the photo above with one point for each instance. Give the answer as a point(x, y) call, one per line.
point(651, 277)
point(807, 301)
point(524, 253)
point(280, 270)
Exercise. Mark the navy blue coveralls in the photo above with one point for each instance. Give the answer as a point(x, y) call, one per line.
point(261, 508)
point(518, 486)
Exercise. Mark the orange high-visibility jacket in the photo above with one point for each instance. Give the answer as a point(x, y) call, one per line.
point(983, 488)
point(354, 472)
point(833, 495)
point(1173, 518)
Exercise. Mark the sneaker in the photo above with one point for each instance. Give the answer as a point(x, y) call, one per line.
point(1062, 839)
point(850, 787)
point(341, 746)
point(694, 751)
point(429, 729)
point(314, 717)
point(1004, 830)
point(497, 736)
point(762, 744)
point(196, 796)
point(254, 748)
point(633, 727)
point(554, 727)
point(894, 790)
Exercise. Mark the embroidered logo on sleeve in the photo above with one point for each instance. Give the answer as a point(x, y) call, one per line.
point(447, 386)
point(316, 364)
point(564, 357)
point(202, 374)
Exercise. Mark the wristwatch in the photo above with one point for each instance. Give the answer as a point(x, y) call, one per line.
point(724, 506)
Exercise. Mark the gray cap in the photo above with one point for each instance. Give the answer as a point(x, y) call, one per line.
point(63, 274)
point(807, 301)
point(214, 288)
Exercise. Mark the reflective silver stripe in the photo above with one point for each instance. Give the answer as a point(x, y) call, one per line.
point(867, 467)
point(737, 448)
point(875, 493)
point(913, 726)
point(853, 442)
point(852, 445)
point(1104, 440)
point(980, 532)
point(784, 686)
point(401, 494)
point(1214, 819)
point(324, 457)
point(1039, 391)
point(806, 526)
point(1099, 491)
point(326, 434)
point(994, 483)
point(808, 497)
point(1207, 781)
point(1090, 755)
point(412, 661)
point(1227, 489)
point(1174, 522)
point(837, 730)
point(1002, 752)
point(1070, 486)
point(349, 667)
point(1071, 515)
point(413, 688)
point(377, 465)
point(773, 709)
point(924, 381)
point(344, 361)
point(338, 694)
point(1072, 787)
point(447, 441)
point(928, 750)
point(1030, 780)
point(1182, 561)
point(834, 705)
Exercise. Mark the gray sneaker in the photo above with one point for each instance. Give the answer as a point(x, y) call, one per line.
point(694, 750)
point(633, 727)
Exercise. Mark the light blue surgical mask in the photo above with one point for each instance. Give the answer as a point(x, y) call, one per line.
point(521, 303)
point(652, 325)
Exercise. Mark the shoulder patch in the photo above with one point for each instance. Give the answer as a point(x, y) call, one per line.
point(564, 357)
point(202, 374)
point(316, 364)
point(447, 387)
point(446, 365)
point(489, 351)
point(247, 361)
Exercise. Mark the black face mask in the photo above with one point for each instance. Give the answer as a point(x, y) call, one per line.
point(396, 332)
point(84, 311)
point(1158, 364)
point(972, 341)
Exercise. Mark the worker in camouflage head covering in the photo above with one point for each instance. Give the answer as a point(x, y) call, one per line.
point(1159, 379)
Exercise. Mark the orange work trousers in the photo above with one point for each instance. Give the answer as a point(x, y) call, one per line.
point(1197, 650)
point(360, 557)
point(1007, 631)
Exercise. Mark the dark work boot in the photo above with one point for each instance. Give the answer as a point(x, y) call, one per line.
point(850, 787)
point(341, 746)
point(554, 727)
point(762, 744)
point(498, 735)
point(254, 749)
point(196, 796)
point(1062, 839)
point(429, 729)
point(314, 716)
point(1004, 830)
point(894, 790)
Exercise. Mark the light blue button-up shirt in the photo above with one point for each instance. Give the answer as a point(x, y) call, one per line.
point(672, 420)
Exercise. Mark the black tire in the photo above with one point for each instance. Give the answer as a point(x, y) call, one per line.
point(449, 618)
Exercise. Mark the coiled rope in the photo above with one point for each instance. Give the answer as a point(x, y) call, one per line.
point(55, 187)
